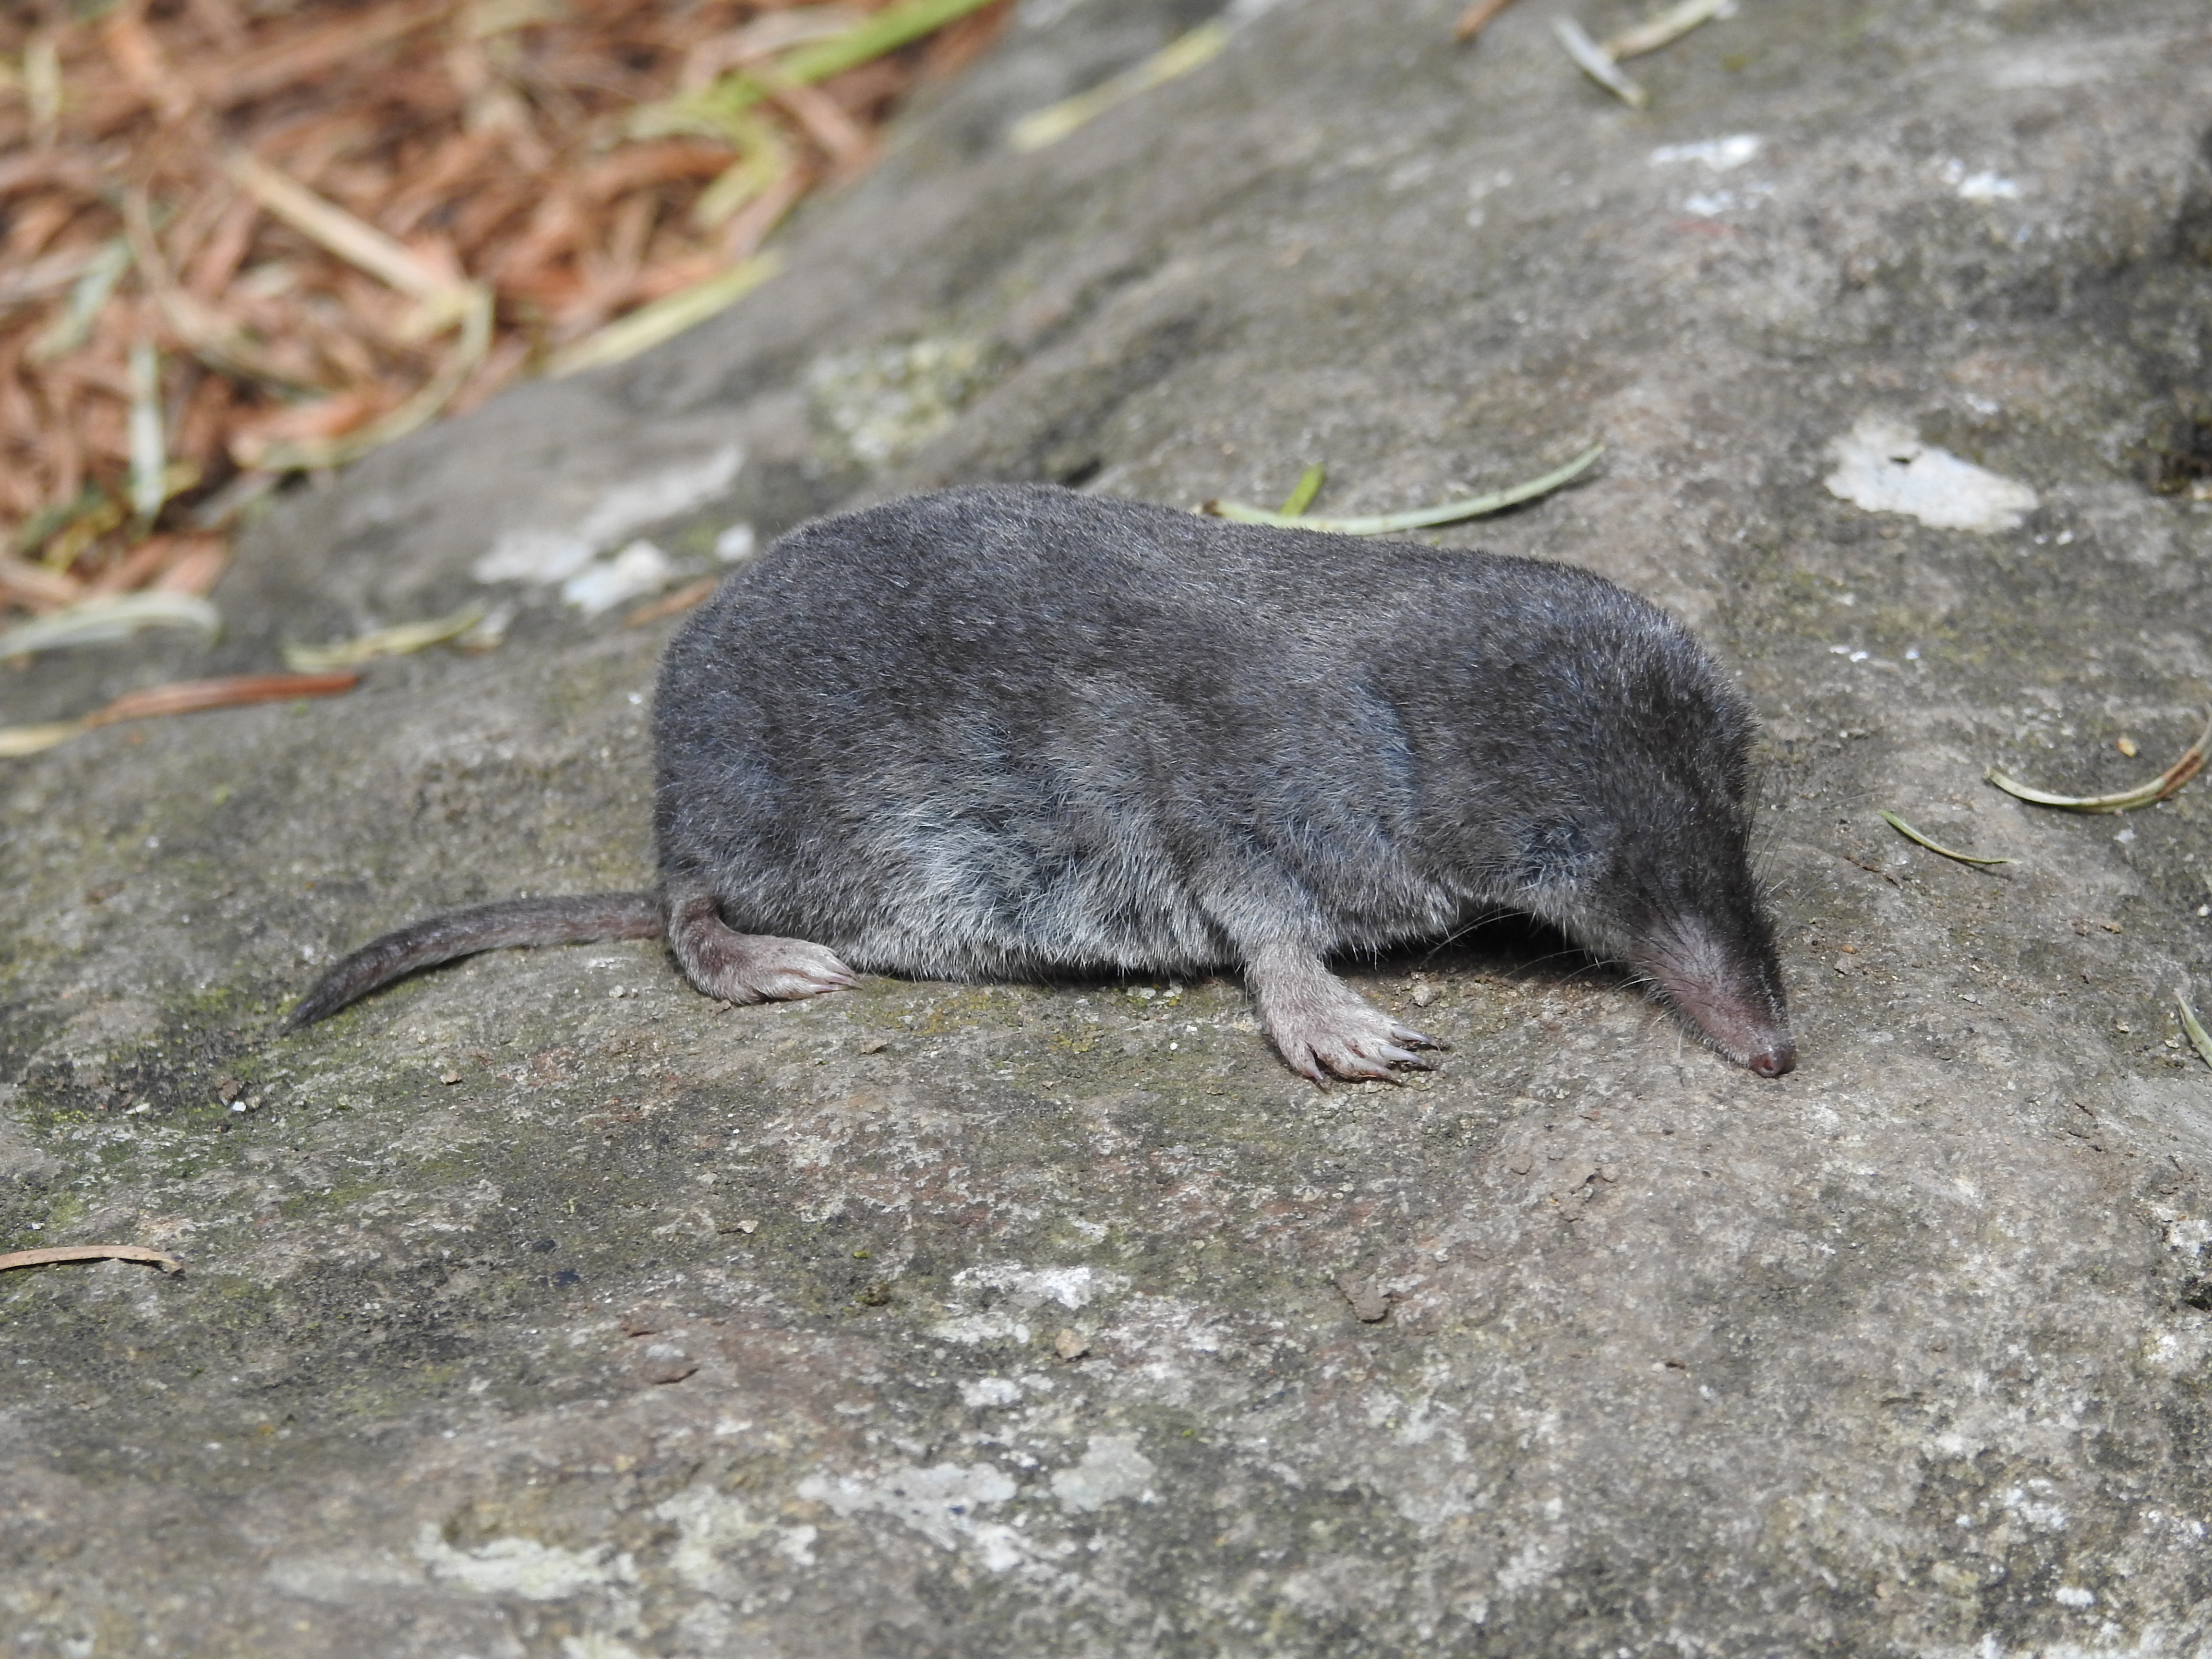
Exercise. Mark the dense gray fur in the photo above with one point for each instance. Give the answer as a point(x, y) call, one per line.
point(1015, 732)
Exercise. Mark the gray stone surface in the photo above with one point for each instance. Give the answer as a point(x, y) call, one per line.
point(528, 1318)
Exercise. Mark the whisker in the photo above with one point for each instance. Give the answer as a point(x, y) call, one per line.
point(1462, 931)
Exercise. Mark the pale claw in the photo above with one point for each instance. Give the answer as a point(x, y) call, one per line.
point(1348, 1039)
point(797, 968)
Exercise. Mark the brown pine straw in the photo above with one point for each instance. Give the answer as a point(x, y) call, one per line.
point(177, 697)
point(332, 220)
point(669, 604)
point(231, 691)
point(166, 1263)
point(1477, 18)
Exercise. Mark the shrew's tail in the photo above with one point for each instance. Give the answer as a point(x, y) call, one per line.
point(438, 939)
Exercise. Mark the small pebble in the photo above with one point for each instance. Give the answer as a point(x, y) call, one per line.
point(663, 1362)
point(1424, 995)
point(1369, 1303)
point(449, 1077)
point(1071, 1343)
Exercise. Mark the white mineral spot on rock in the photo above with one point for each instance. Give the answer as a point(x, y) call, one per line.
point(640, 568)
point(1718, 155)
point(336, 1576)
point(1988, 187)
point(1883, 467)
point(546, 554)
point(973, 1329)
point(1529, 1567)
point(983, 1391)
point(2190, 1234)
point(1111, 1469)
point(2076, 62)
point(2174, 1353)
point(533, 556)
point(1979, 186)
point(1071, 1287)
point(630, 506)
point(2073, 1596)
point(1000, 1548)
point(938, 1502)
point(597, 1644)
point(2032, 1504)
point(521, 1566)
point(710, 1522)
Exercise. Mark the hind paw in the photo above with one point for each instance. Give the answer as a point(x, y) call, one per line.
point(751, 967)
point(772, 970)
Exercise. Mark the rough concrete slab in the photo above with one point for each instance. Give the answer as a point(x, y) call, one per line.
point(538, 1307)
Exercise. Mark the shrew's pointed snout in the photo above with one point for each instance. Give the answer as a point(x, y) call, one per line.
point(1774, 1061)
point(1726, 986)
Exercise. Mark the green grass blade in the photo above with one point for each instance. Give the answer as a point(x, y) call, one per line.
point(886, 31)
point(2190, 764)
point(1910, 834)
point(1303, 497)
point(1420, 518)
point(2191, 1023)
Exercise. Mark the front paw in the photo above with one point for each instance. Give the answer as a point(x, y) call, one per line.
point(1349, 1040)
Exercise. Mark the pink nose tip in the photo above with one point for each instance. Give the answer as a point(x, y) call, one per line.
point(1773, 1062)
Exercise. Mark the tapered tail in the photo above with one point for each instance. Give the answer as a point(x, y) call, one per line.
point(577, 921)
